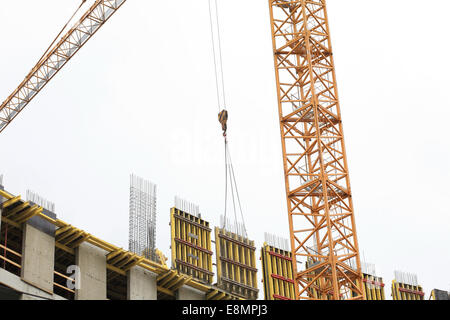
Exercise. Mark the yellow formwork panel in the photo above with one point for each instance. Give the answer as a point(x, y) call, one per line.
point(191, 245)
point(402, 291)
point(236, 265)
point(374, 287)
point(277, 271)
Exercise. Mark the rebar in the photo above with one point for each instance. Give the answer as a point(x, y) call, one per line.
point(142, 220)
point(40, 201)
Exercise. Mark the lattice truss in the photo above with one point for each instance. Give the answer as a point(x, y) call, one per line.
point(142, 220)
point(322, 226)
point(56, 58)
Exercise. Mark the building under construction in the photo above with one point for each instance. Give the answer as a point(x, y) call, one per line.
point(43, 257)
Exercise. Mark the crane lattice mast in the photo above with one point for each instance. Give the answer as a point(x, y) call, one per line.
point(321, 218)
point(56, 57)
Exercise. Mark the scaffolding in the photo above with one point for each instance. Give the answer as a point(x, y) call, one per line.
point(142, 220)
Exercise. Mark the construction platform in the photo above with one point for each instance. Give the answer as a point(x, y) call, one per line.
point(41, 256)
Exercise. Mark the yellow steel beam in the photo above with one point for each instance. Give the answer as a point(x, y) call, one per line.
point(65, 248)
point(115, 269)
point(184, 280)
point(62, 230)
point(6, 195)
point(220, 296)
point(166, 291)
point(13, 223)
point(118, 258)
point(113, 254)
point(134, 264)
point(85, 237)
point(74, 236)
point(17, 209)
point(25, 217)
point(27, 212)
point(68, 233)
point(165, 278)
point(173, 282)
point(212, 294)
point(10, 202)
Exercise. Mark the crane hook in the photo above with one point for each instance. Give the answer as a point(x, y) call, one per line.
point(223, 117)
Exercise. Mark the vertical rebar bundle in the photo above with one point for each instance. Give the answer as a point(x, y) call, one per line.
point(277, 242)
point(406, 278)
point(142, 221)
point(368, 268)
point(187, 207)
point(233, 227)
point(34, 197)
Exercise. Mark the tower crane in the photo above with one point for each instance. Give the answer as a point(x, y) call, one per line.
point(319, 201)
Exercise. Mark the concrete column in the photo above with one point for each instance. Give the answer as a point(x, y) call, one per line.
point(141, 284)
point(188, 293)
point(38, 258)
point(92, 263)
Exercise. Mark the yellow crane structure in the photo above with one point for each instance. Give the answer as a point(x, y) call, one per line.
point(320, 210)
point(319, 201)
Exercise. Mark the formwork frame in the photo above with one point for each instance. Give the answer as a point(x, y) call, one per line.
point(191, 245)
point(374, 287)
point(403, 291)
point(278, 275)
point(320, 209)
point(236, 264)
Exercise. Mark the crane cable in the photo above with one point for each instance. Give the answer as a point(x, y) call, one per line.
point(223, 117)
point(218, 72)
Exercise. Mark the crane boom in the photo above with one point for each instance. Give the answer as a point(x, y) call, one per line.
point(320, 210)
point(56, 58)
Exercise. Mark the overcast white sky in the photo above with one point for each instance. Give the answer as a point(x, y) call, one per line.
point(140, 98)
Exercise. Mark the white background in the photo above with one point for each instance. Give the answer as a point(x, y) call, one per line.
point(140, 98)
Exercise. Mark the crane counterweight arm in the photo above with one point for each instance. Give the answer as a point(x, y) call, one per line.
point(56, 58)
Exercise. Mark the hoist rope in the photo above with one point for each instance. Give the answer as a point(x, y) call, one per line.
point(221, 103)
point(233, 182)
point(217, 55)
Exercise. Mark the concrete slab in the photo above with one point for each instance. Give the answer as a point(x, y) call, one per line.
point(28, 291)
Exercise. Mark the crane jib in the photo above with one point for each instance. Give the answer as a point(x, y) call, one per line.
point(57, 56)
